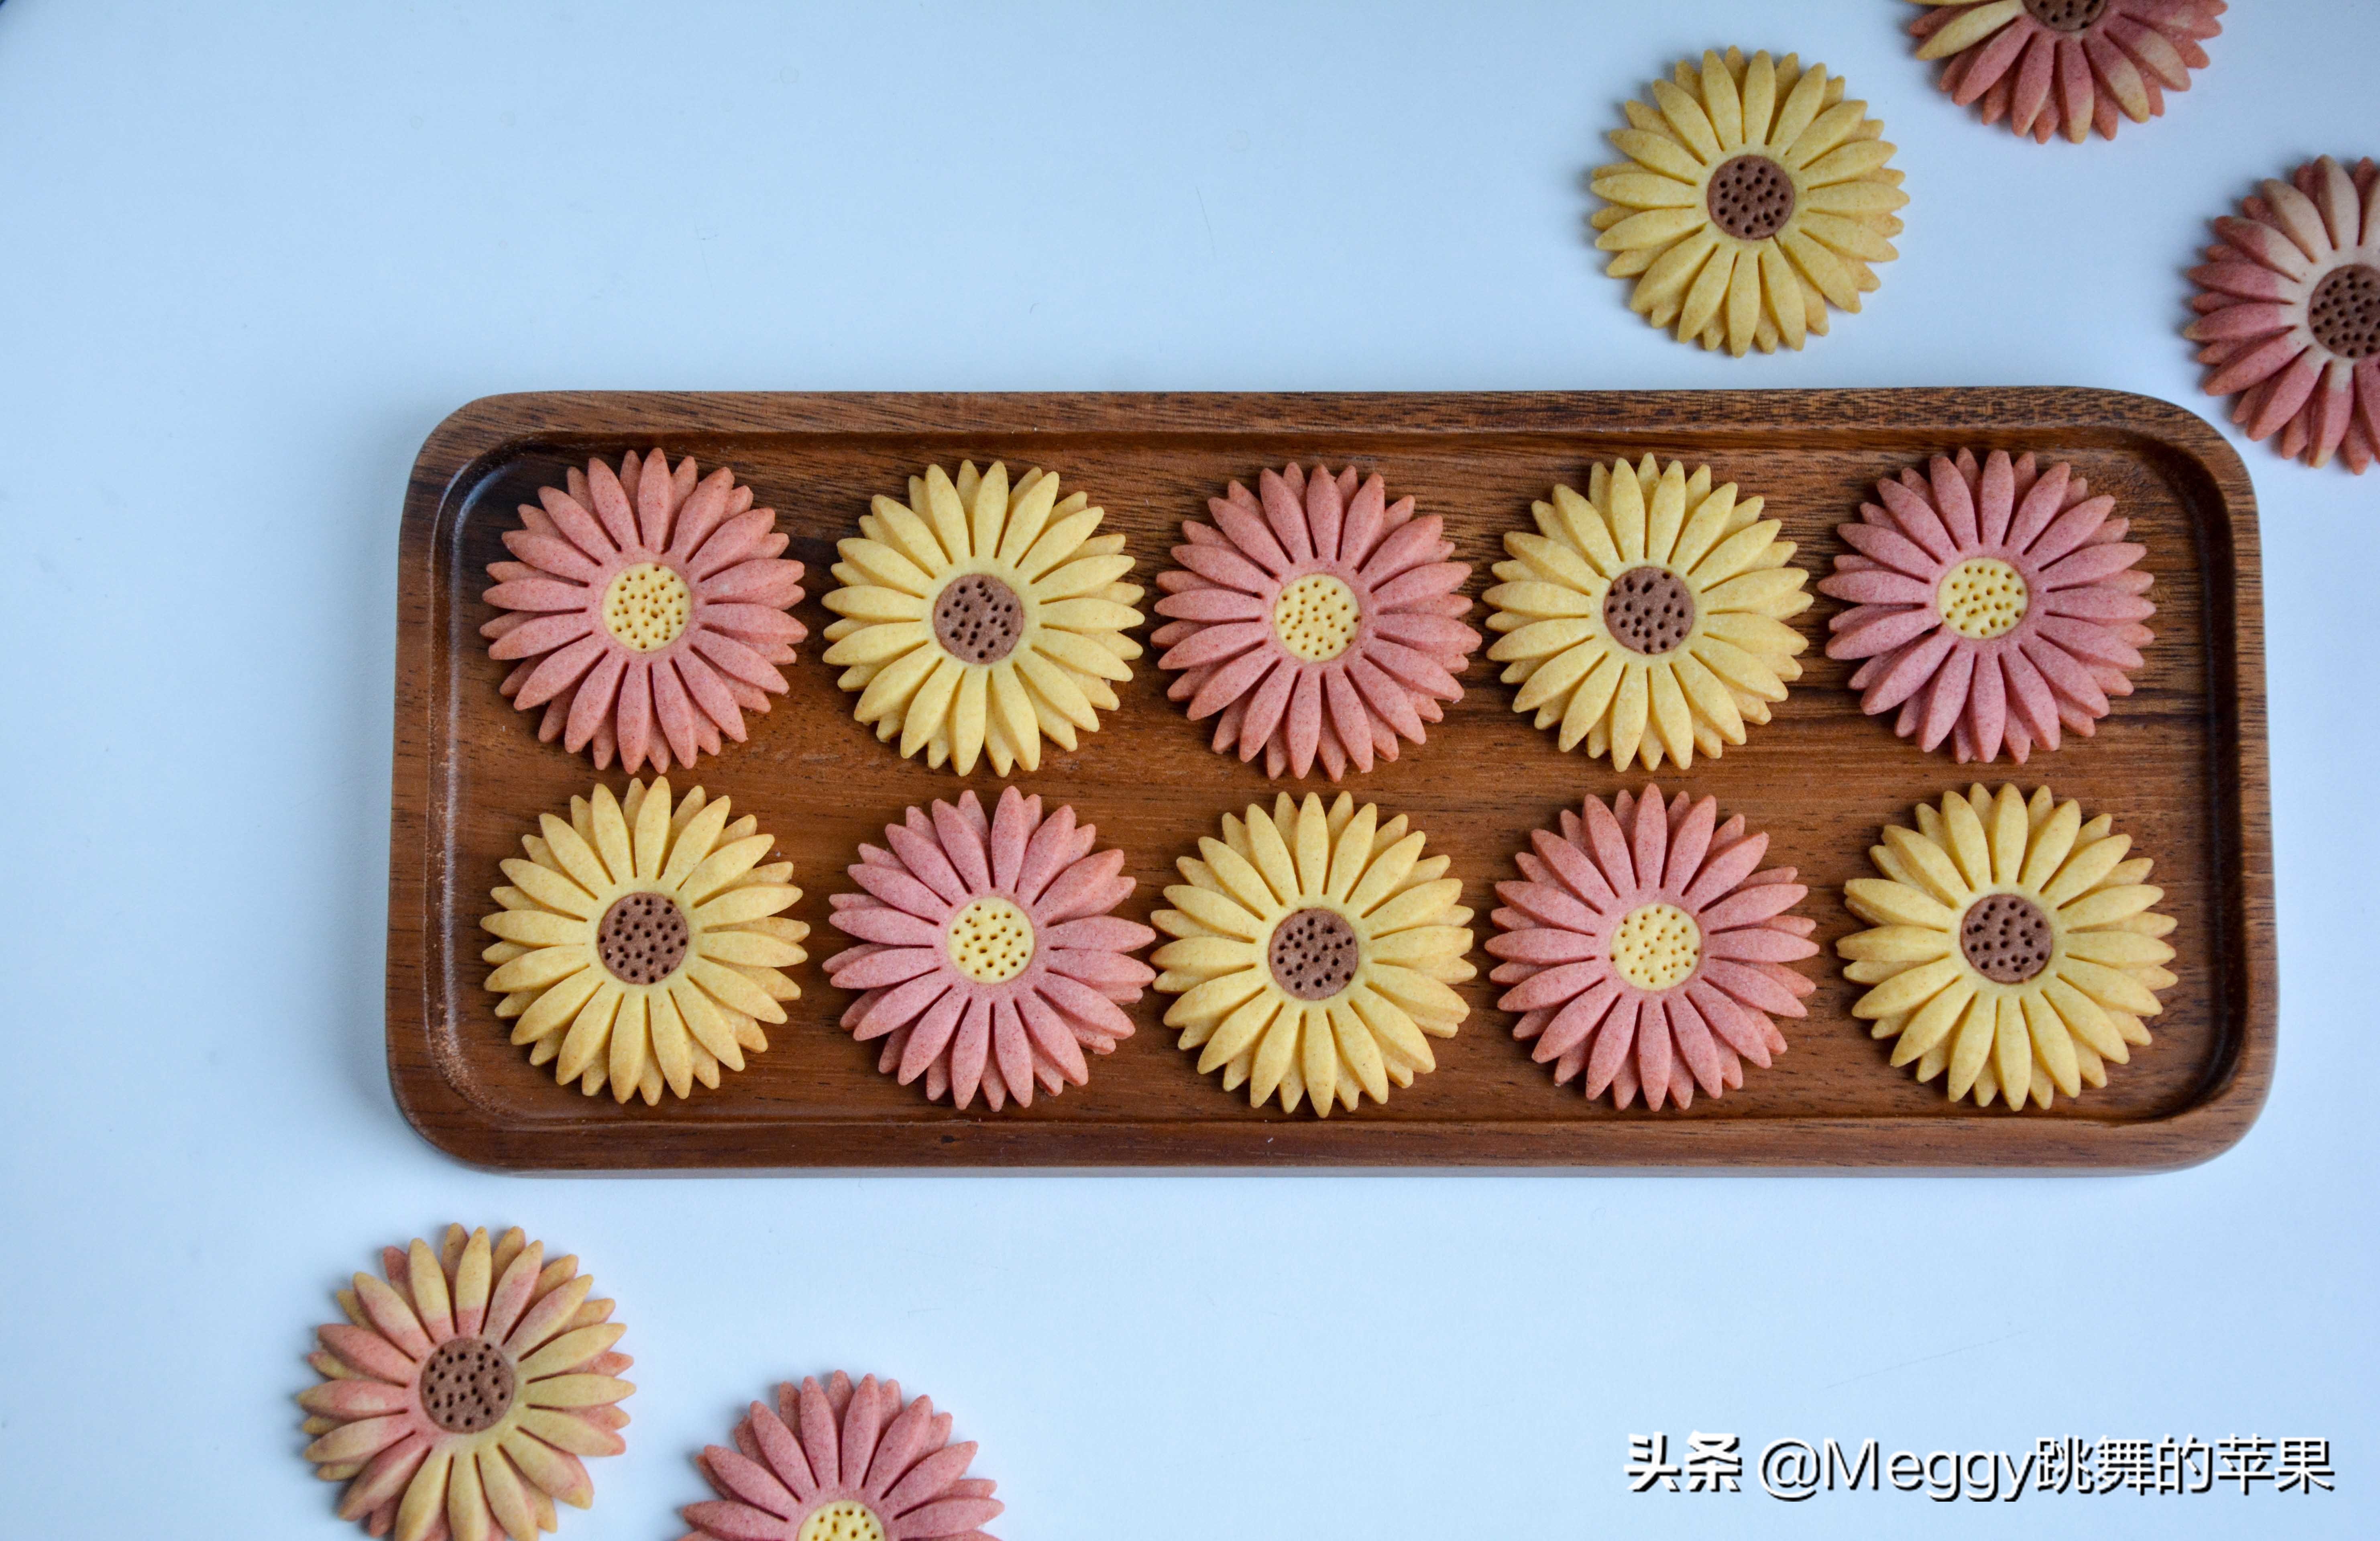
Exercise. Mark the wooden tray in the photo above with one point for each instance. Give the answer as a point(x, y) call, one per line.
point(2180, 763)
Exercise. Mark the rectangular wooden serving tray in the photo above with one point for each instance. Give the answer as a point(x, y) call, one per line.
point(2180, 763)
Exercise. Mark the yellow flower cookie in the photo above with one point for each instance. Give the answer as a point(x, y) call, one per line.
point(642, 944)
point(1315, 955)
point(1648, 618)
point(1753, 197)
point(2012, 945)
point(978, 618)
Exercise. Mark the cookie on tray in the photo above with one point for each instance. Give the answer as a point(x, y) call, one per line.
point(1995, 606)
point(979, 618)
point(1315, 954)
point(1646, 949)
point(988, 956)
point(1647, 619)
point(463, 1390)
point(641, 942)
point(2012, 945)
point(1314, 619)
point(646, 609)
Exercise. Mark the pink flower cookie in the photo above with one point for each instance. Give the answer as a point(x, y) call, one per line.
point(1643, 949)
point(458, 1396)
point(987, 957)
point(2052, 67)
point(1316, 620)
point(842, 1462)
point(2289, 309)
point(1993, 606)
point(647, 610)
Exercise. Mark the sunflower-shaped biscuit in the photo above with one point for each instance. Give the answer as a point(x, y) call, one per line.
point(1315, 955)
point(1753, 196)
point(642, 944)
point(1993, 605)
point(842, 1462)
point(1316, 618)
point(988, 957)
point(2053, 66)
point(2013, 945)
point(978, 618)
point(1648, 618)
point(1646, 947)
point(459, 1395)
point(646, 609)
point(2288, 306)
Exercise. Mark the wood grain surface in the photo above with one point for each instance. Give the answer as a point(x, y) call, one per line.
point(2180, 764)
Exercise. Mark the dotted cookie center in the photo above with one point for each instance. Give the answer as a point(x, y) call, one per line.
point(646, 607)
point(1657, 946)
point(1648, 610)
point(991, 940)
point(2065, 16)
point(844, 1520)
point(977, 619)
point(1751, 198)
point(1315, 617)
point(642, 937)
point(1983, 598)
point(1313, 955)
point(466, 1386)
point(2344, 315)
point(2006, 937)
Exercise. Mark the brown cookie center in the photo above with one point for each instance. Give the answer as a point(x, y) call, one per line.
point(2006, 937)
point(2344, 315)
point(466, 1386)
point(642, 937)
point(1313, 955)
point(979, 619)
point(1751, 198)
point(2065, 16)
point(1648, 610)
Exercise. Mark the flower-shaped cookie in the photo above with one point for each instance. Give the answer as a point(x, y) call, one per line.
point(1315, 954)
point(976, 617)
point(459, 1395)
point(2069, 65)
point(648, 610)
point(1316, 619)
point(2013, 945)
point(987, 956)
point(1648, 618)
point(1645, 949)
point(1753, 196)
point(842, 1462)
point(2288, 308)
point(642, 944)
point(1991, 605)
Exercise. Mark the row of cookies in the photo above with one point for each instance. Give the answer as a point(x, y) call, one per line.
point(1993, 606)
point(642, 944)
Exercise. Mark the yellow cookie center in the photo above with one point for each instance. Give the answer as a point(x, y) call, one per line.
point(1315, 617)
point(1982, 597)
point(1657, 946)
point(844, 1520)
point(647, 606)
point(991, 942)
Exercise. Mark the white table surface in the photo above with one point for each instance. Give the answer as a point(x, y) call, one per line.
point(251, 253)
